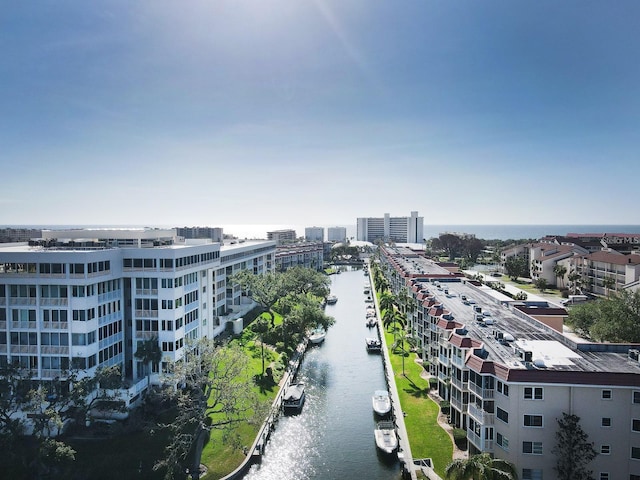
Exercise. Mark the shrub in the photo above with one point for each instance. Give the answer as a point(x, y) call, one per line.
point(445, 407)
point(460, 438)
point(433, 383)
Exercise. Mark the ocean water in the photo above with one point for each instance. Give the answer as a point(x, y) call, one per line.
point(486, 232)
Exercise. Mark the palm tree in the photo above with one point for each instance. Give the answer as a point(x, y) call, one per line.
point(480, 467)
point(608, 283)
point(386, 302)
point(574, 281)
point(261, 327)
point(559, 271)
point(148, 352)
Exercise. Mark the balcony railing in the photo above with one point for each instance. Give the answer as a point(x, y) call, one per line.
point(480, 415)
point(481, 392)
point(459, 384)
point(457, 361)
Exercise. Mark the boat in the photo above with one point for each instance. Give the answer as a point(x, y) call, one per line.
point(386, 438)
point(371, 322)
point(368, 300)
point(331, 299)
point(293, 397)
point(317, 335)
point(373, 344)
point(381, 402)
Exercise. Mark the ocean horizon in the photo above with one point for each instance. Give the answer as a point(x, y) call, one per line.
point(485, 232)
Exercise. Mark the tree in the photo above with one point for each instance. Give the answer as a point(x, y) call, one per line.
point(559, 271)
point(574, 281)
point(260, 326)
point(386, 302)
point(149, 353)
point(472, 248)
point(516, 266)
point(451, 244)
point(608, 283)
point(306, 280)
point(265, 289)
point(613, 319)
point(541, 284)
point(211, 388)
point(573, 450)
point(480, 467)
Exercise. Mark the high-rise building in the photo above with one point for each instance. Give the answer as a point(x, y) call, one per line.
point(391, 229)
point(314, 234)
point(85, 299)
point(337, 234)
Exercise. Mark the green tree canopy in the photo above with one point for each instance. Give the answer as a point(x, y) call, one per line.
point(614, 319)
point(573, 450)
point(480, 467)
point(516, 266)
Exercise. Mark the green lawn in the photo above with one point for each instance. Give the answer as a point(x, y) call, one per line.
point(426, 437)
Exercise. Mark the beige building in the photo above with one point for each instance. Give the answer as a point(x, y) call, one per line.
point(509, 374)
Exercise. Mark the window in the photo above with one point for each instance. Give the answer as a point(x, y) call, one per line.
point(605, 449)
point(533, 420)
point(502, 441)
point(604, 476)
point(534, 448)
point(636, 397)
point(502, 415)
point(606, 421)
point(606, 394)
point(531, 474)
point(635, 425)
point(503, 388)
point(533, 393)
point(635, 453)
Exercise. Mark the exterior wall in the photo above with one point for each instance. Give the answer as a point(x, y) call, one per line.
point(314, 234)
point(336, 234)
point(395, 229)
point(309, 255)
point(75, 308)
point(282, 237)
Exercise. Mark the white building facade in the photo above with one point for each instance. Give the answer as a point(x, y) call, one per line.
point(336, 234)
point(314, 234)
point(85, 301)
point(391, 229)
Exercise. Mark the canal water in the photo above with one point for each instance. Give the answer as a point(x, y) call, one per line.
point(332, 437)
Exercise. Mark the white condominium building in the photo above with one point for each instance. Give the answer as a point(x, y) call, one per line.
point(337, 234)
point(84, 299)
point(391, 229)
point(314, 234)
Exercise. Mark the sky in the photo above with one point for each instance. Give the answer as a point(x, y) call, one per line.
point(317, 112)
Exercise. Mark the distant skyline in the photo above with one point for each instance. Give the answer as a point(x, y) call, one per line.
point(317, 112)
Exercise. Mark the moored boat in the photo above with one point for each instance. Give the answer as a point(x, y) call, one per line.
point(386, 438)
point(371, 322)
point(373, 344)
point(293, 397)
point(317, 336)
point(381, 402)
point(331, 299)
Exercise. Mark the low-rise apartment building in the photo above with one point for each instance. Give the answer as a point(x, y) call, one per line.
point(509, 373)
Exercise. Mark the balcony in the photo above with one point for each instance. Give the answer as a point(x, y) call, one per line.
point(485, 418)
point(459, 384)
point(481, 392)
point(443, 359)
point(457, 361)
point(459, 405)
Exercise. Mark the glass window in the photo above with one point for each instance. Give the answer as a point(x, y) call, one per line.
point(606, 421)
point(606, 394)
point(533, 420)
point(534, 448)
point(605, 449)
point(533, 393)
point(502, 415)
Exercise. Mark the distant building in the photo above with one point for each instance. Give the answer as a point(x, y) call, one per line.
point(8, 235)
point(212, 233)
point(303, 254)
point(314, 234)
point(282, 237)
point(391, 229)
point(337, 234)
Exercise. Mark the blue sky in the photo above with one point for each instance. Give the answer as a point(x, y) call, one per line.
point(317, 112)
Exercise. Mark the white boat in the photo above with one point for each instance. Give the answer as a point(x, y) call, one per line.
point(373, 344)
point(293, 397)
point(386, 438)
point(331, 299)
point(381, 402)
point(371, 322)
point(317, 336)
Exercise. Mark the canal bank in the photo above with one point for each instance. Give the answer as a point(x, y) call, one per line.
point(332, 437)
